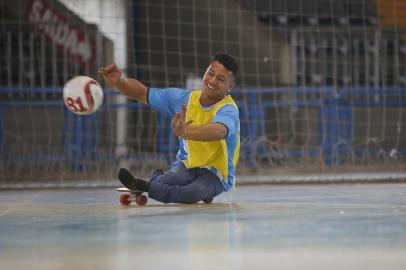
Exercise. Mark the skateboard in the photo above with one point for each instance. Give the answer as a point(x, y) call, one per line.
point(132, 196)
point(208, 200)
point(138, 197)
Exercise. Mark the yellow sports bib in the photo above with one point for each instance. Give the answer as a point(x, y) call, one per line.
point(211, 154)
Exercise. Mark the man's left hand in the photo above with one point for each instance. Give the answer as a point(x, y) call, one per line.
point(179, 124)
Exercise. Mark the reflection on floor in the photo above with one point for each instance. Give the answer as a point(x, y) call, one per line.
point(256, 227)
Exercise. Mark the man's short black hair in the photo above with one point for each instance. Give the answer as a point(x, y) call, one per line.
point(227, 61)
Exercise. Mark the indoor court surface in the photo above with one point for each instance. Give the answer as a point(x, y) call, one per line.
point(308, 97)
point(333, 226)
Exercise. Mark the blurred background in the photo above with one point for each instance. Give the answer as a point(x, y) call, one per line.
point(321, 89)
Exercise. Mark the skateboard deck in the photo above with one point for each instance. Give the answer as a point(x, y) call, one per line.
point(130, 196)
point(124, 189)
point(138, 197)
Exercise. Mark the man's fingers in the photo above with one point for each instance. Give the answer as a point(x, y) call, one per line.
point(102, 71)
point(111, 67)
point(183, 111)
point(173, 122)
point(108, 69)
point(177, 116)
point(176, 121)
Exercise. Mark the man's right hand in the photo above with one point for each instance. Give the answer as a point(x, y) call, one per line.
point(111, 73)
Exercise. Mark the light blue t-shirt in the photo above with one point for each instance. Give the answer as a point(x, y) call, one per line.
point(170, 100)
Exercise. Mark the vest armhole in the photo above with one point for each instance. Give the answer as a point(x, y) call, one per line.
point(147, 99)
point(225, 127)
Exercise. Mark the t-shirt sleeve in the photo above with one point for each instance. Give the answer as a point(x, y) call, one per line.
point(167, 100)
point(228, 116)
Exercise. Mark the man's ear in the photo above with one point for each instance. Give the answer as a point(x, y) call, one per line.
point(232, 84)
point(231, 87)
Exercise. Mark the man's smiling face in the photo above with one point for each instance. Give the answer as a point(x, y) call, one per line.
point(217, 81)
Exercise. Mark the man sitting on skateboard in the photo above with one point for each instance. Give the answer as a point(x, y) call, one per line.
point(208, 126)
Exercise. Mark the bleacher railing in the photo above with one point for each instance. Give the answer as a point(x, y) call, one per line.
point(333, 128)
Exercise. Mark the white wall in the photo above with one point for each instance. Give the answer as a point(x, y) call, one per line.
point(110, 17)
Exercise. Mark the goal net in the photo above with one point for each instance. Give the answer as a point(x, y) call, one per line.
point(321, 88)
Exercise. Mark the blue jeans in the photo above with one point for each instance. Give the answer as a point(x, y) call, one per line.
point(182, 185)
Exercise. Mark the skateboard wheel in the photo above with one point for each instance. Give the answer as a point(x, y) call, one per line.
point(141, 200)
point(208, 200)
point(125, 199)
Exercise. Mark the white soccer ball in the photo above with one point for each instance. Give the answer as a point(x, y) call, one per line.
point(83, 95)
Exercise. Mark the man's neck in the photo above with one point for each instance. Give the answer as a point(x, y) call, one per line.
point(206, 101)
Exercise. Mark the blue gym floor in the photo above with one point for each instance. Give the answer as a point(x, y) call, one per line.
point(332, 226)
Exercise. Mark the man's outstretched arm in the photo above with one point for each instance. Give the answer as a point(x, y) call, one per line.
point(131, 88)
